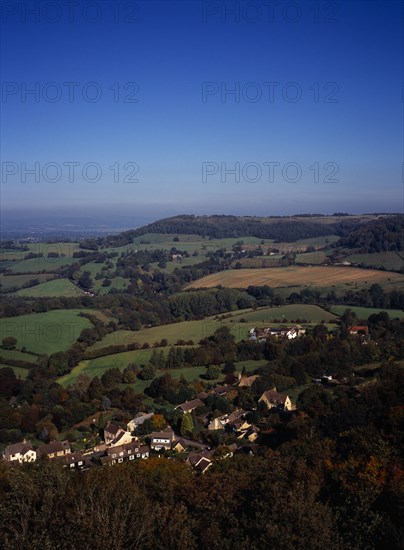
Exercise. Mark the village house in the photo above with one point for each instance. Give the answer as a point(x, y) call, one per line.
point(20, 452)
point(162, 440)
point(115, 435)
point(221, 422)
point(138, 420)
point(74, 460)
point(251, 433)
point(199, 462)
point(189, 406)
point(261, 334)
point(361, 330)
point(203, 395)
point(274, 399)
point(247, 381)
point(239, 427)
point(221, 391)
point(127, 452)
point(218, 423)
point(295, 332)
point(56, 449)
point(179, 446)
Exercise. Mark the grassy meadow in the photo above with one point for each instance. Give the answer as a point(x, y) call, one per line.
point(52, 289)
point(365, 312)
point(45, 332)
point(9, 282)
point(97, 367)
point(388, 260)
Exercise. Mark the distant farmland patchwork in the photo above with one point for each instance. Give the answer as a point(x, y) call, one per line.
point(320, 276)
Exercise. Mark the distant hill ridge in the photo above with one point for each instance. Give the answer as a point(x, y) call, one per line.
point(280, 229)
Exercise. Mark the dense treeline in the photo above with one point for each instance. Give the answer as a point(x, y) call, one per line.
point(382, 235)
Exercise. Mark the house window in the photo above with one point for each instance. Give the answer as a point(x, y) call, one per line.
point(138, 455)
point(71, 465)
point(113, 456)
point(121, 453)
point(81, 463)
point(120, 460)
point(129, 451)
point(131, 457)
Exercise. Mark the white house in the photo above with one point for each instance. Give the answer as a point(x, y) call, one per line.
point(161, 440)
point(20, 452)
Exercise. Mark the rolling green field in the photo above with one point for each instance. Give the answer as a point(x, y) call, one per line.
point(55, 288)
point(45, 332)
point(317, 257)
point(186, 330)
point(17, 356)
point(189, 243)
point(389, 260)
point(67, 249)
point(365, 312)
point(34, 265)
point(97, 367)
point(312, 314)
point(11, 281)
point(196, 330)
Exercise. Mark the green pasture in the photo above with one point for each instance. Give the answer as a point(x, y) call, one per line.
point(366, 312)
point(54, 288)
point(17, 356)
point(12, 281)
point(311, 313)
point(388, 260)
point(153, 241)
point(46, 332)
point(315, 258)
point(196, 330)
point(186, 330)
point(35, 265)
point(97, 367)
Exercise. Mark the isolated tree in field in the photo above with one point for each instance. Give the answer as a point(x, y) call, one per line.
point(148, 372)
point(9, 342)
point(130, 374)
point(212, 372)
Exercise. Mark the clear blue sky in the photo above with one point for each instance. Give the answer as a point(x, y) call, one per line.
point(347, 64)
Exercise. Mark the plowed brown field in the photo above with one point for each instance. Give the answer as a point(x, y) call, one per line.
point(322, 276)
